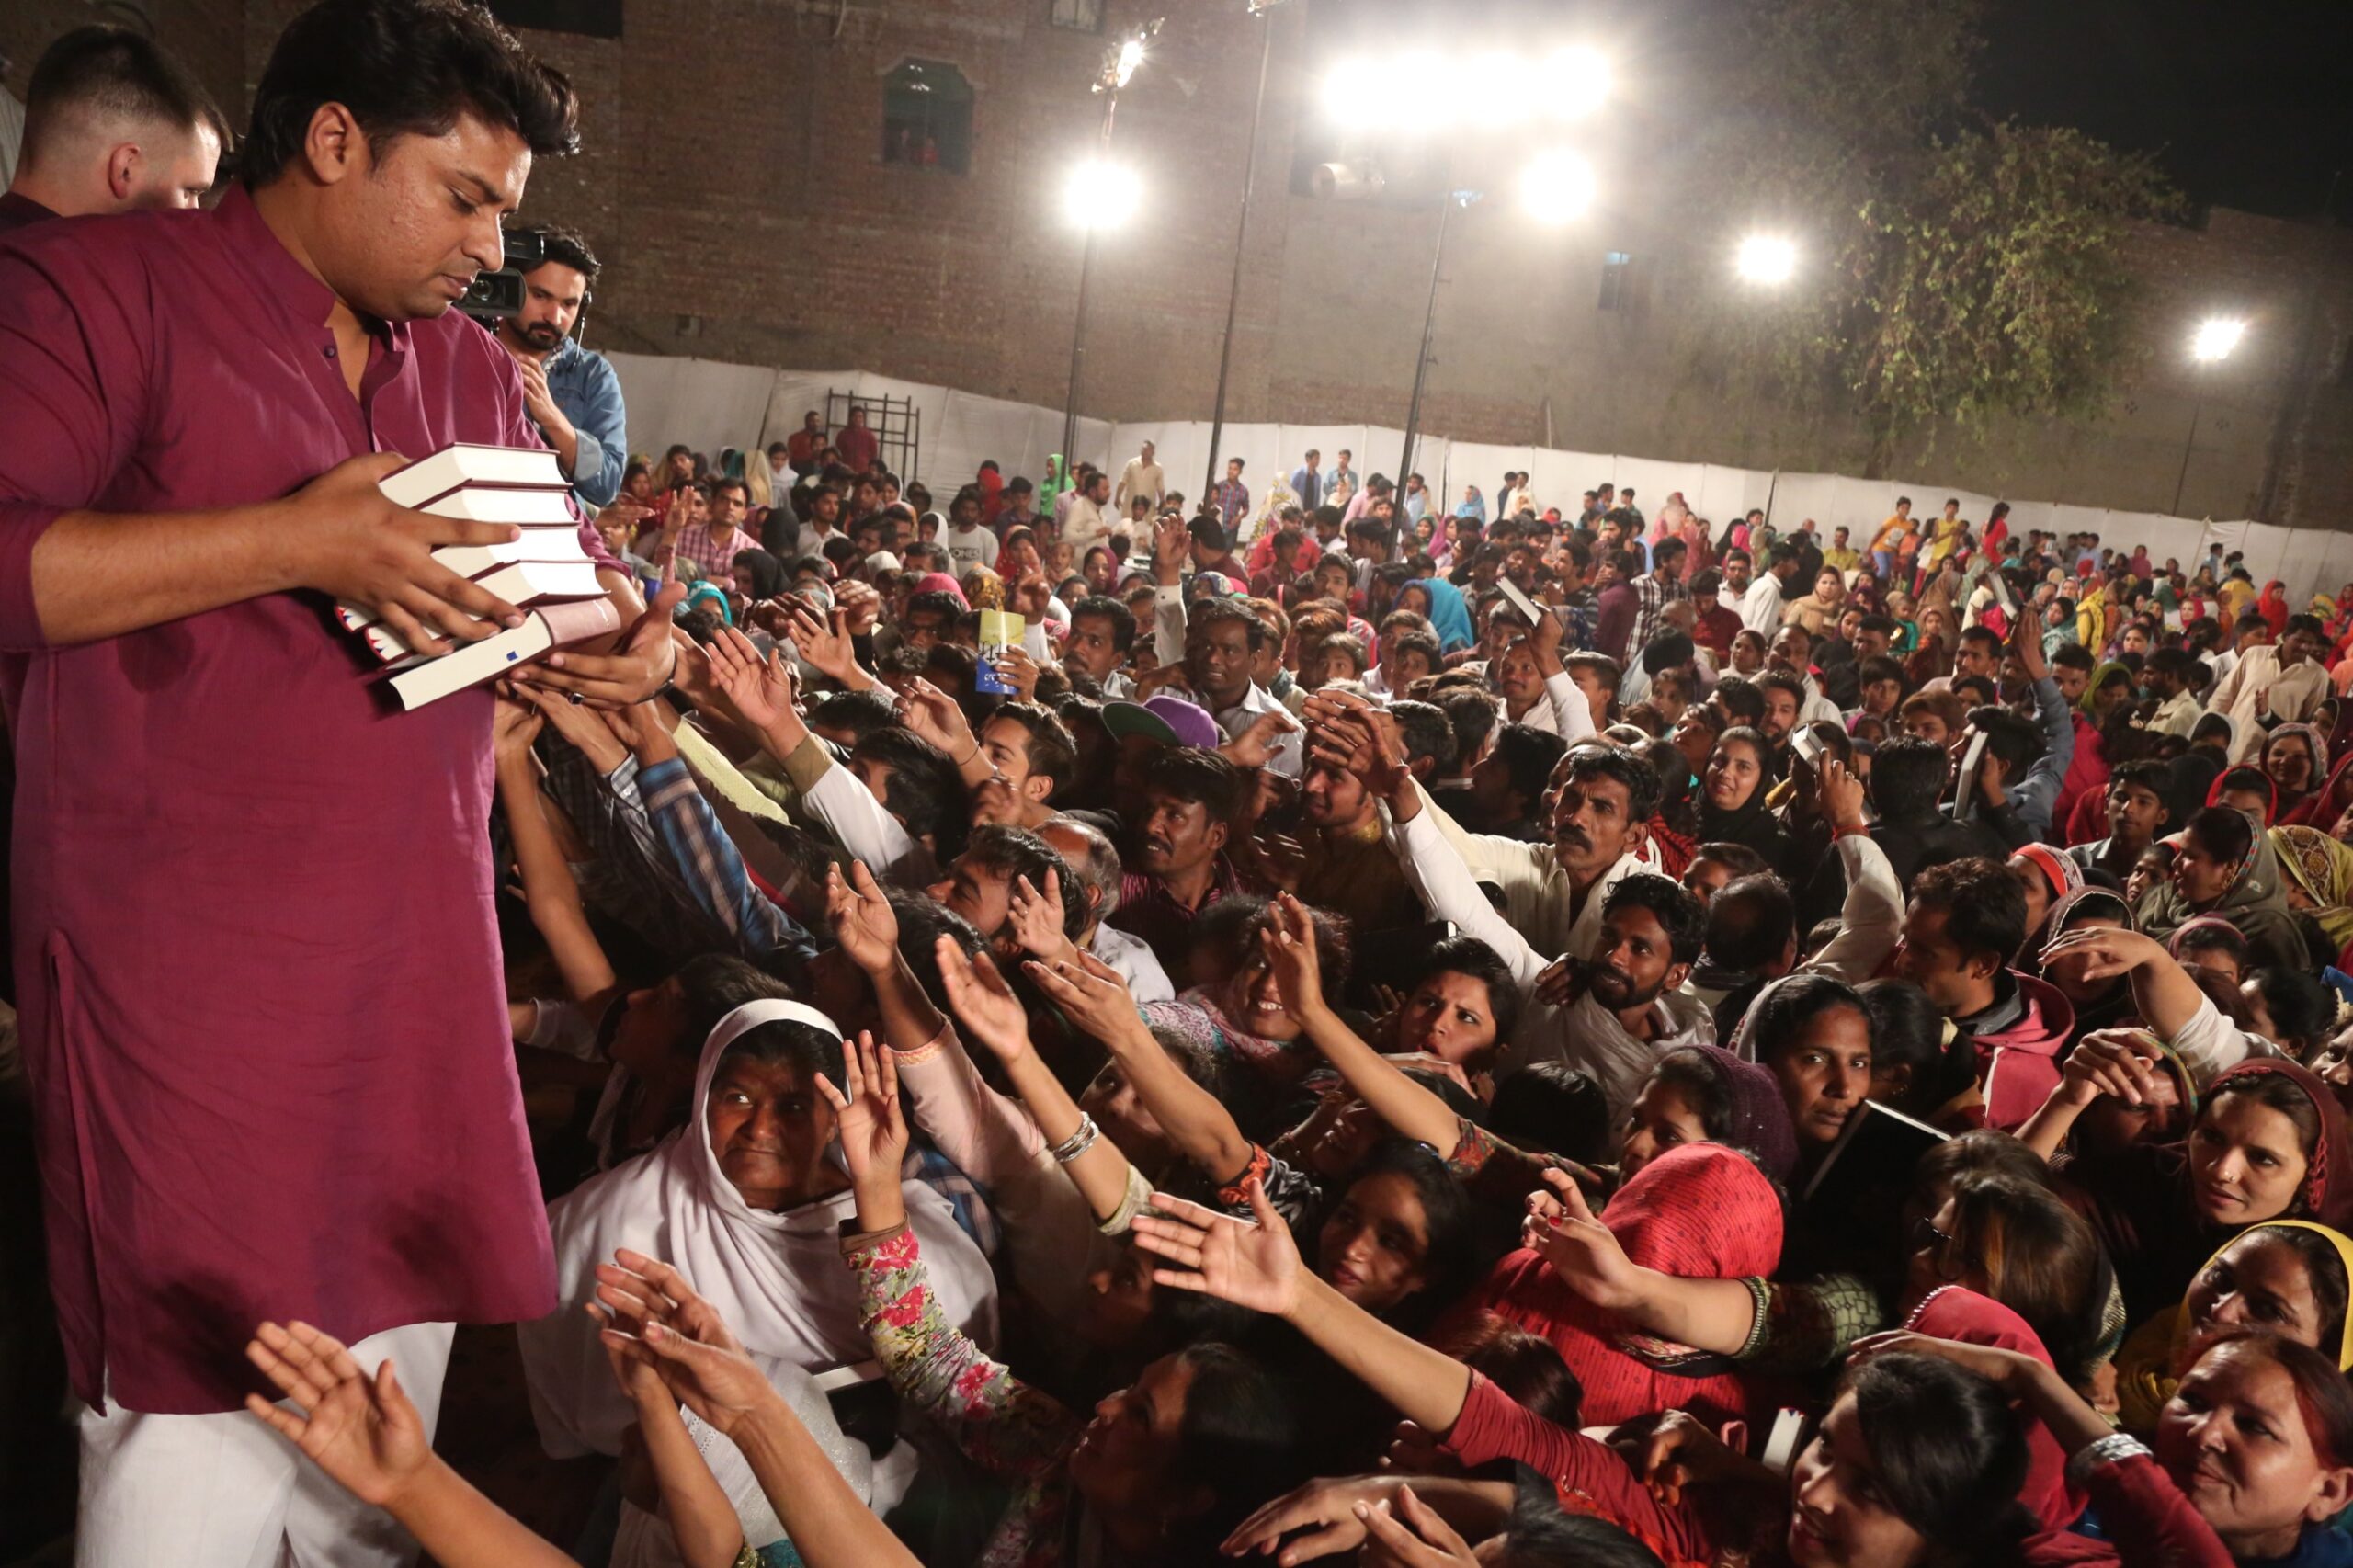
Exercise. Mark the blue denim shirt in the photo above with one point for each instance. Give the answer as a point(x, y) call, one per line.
point(583, 383)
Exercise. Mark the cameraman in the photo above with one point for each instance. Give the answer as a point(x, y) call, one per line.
point(569, 392)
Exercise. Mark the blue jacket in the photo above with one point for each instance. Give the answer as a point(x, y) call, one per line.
point(583, 383)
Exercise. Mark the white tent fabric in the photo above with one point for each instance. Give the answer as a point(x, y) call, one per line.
point(709, 405)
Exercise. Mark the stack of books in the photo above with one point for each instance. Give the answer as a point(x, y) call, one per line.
point(543, 571)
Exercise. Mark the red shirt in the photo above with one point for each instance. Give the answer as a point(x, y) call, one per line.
point(858, 444)
point(263, 1014)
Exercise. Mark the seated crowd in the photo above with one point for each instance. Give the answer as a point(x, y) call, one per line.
point(1559, 1039)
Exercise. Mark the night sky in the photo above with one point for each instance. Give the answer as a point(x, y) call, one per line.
point(2248, 103)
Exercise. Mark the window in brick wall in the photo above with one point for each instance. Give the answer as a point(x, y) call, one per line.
point(1615, 265)
point(1079, 16)
point(927, 116)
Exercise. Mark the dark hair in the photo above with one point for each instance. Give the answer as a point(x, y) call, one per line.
point(859, 712)
point(1679, 911)
point(1334, 950)
point(115, 71)
point(566, 248)
point(1751, 922)
point(1737, 858)
point(2277, 1092)
point(1740, 699)
point(1779, 679)
point(1448, 1220)
point(2147, 774)
point(1908, 1030)
point(1907, 777)
point(1199, 777)
point(1528, 1366)
point(1553, 1108)
point(1474, 715)
point(1473, 960)
point(1052, 749)
point(1527, 756)
point(1984, 907)
point(1239, 1436)
point(1017, 852)
point(1704, 1086)
point(1122, 618)
point(404, 68)
point(925, 790)
point(1623, 767)
point(2301, 1003)
point(2223, 833)
point(2040, 1259)
point(2017, 740)
point(1217, 612)
point(1781, 1014)
point(1950, 1455)
point(1426, 730)
point(2073, 656)
point(2326, 1269)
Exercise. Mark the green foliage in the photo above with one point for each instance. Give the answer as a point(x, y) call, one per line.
point(1957, 269)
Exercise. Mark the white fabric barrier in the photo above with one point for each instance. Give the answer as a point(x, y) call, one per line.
point(710, 404)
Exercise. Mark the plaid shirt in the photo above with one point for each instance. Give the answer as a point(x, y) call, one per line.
point(1233, 498)
point(628, 878)
point(712, 869)
point(1652, 596)
point(712, 558)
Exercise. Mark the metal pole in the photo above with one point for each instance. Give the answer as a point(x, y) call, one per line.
point(1241, 233)
point(2188, 446)
point(1422, 365)
point(1078, 329)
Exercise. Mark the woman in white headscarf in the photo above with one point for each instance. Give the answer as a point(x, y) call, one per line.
point(746, 1201)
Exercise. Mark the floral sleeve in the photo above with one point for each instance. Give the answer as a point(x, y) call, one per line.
point(1001, 1423)
point(1496, 1172)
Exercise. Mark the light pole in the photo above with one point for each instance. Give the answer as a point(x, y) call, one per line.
point(1454, 199)
point(1259, 8)
point(2211, 344)
point(1099, 194)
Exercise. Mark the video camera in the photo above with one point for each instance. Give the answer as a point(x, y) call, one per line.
point(500, 293)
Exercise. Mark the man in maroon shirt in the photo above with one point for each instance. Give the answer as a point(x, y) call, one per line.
point(259, 978)
point(112, 124)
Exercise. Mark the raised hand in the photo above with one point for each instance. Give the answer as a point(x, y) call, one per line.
point(649, 1314)
point(2106, 952)
point(1283, 859)
point(1289, 943)
point(1679, 1451)
point(1172, 542)
point(1841, 794)
point(862, 919)
point(873, 1124)
point(760, 688)
point(860, 604)
point(1037, 916)
point(1089, 990)
point(514, 725)
point(361, 1430)
point(2007, 1369)
point(1583, 1251)
point(2121, 1062)
point(1407, 1533)
point(1019, 670)
point(1252, 1266)
point(985, 1003)
point(635, 670)
point(823, 640)
point(1258, 741)
point(994, 800)
point(933, 715)
point(1032, 597)
point(584, 727)
point(1331, 1511)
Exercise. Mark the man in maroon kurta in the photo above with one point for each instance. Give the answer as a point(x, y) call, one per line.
point(261, 995)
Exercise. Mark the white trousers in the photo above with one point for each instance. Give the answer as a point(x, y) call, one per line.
point(225, 1491)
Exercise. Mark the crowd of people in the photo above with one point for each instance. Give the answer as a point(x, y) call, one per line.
point(1370, 1004)
point(1521, 1035)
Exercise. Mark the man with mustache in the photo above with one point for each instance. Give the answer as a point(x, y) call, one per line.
point(571, 393)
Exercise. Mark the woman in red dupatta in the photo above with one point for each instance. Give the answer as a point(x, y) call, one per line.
point(1702, 1211)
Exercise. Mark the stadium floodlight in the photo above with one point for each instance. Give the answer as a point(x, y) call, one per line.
point(1557, 186)
point(1766, 258)
point(1102, 194)
point(2215, 339)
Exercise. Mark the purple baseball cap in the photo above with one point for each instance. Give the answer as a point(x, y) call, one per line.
point(1171, 721)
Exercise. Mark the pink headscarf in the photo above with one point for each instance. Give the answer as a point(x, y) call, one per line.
point(941, 583)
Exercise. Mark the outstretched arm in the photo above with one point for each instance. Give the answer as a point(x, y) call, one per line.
point(1095, 999)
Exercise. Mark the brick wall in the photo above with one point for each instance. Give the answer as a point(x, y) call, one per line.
point(734, 184)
